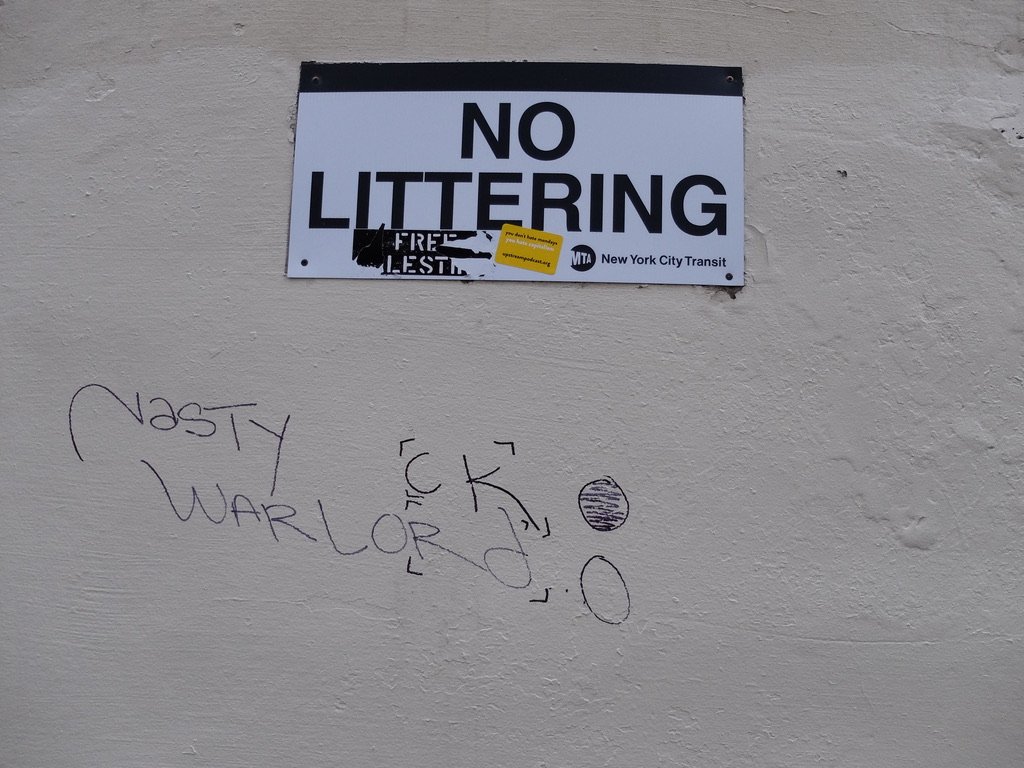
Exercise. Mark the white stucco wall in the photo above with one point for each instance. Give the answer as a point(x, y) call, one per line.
point(824, 542)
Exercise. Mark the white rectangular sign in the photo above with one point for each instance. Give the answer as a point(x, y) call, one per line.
point(618, 173)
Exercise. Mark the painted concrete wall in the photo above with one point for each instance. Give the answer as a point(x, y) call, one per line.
point(824, 544)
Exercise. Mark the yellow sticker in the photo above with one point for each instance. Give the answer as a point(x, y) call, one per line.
point(528, 249)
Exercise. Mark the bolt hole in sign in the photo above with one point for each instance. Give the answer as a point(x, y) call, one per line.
point(616, 173)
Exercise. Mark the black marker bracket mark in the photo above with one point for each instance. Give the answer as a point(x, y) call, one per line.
point(408, 568)
point(547, 591)
point(509, 443)
point(547, 526)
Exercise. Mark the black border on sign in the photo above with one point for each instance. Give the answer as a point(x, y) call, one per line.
point(318, 77)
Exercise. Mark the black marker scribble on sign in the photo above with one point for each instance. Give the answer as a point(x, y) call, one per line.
point(368, 247)
point(417, 251)
point(458, 252)
point(603, 504)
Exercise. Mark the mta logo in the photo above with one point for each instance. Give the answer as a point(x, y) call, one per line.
point(583, 258)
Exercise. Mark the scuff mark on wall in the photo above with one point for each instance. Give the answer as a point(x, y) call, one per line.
point(1011, 128)
point(784, 10)
point(1009, 53)
point(101, 87)
point(920, 533)
point(756, 246)
point(939, 35)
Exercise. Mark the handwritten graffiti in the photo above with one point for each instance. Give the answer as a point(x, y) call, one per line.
point(414, 533)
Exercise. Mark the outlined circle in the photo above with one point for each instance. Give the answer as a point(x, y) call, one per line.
point(404, 529)
point(603, 504)
point(601, 604)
